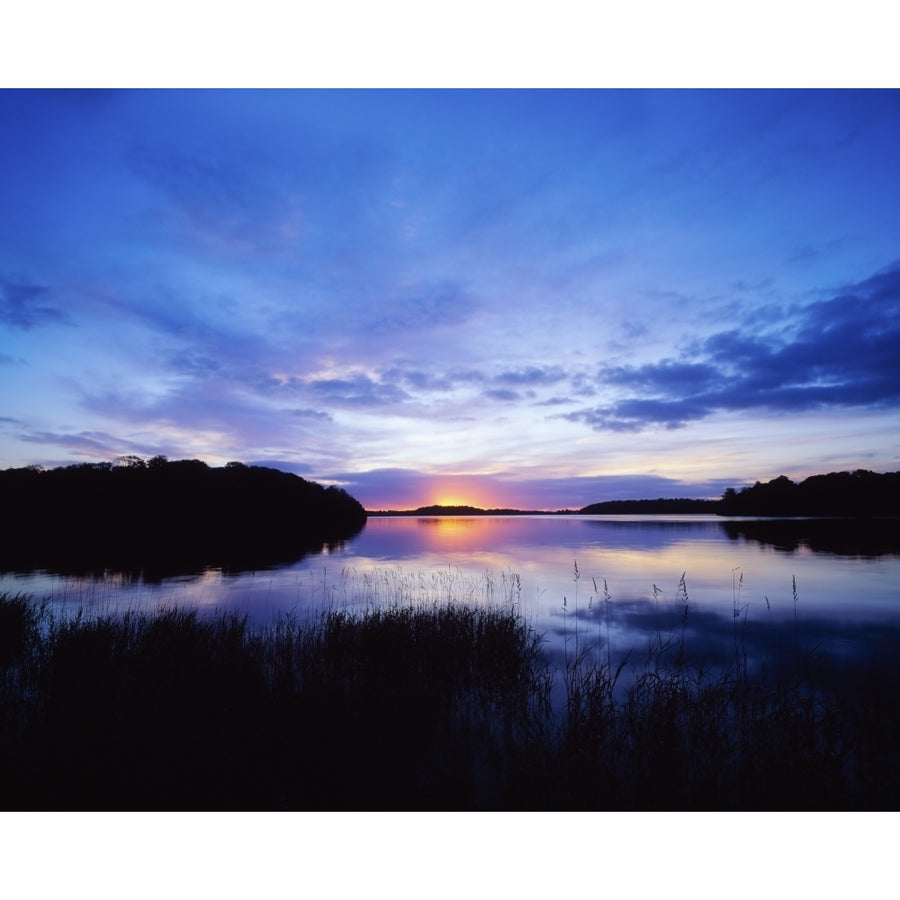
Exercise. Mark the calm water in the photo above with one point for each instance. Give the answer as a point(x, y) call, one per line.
point(833, 587)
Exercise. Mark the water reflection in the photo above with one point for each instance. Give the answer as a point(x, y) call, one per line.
point(759, 641)
point(827, 584)
point(771, 591)
point(167, 561)
point(863, 538)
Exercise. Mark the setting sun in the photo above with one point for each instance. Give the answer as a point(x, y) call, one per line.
point(453, 491)
point(453, 500)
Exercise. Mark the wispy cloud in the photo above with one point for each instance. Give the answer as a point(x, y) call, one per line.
point(24, 305)
point(358, 391)
point(503, 395)
point(90, 444)
point(423, 311)
point(532, 376)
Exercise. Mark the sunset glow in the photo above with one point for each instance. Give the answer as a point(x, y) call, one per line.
point(454, 500)
point(532, 299)
point(450, 491)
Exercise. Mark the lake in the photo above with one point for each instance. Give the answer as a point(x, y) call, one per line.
point(614, 584)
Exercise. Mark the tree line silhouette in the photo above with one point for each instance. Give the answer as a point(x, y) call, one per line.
point(860, 493)
point(160, 516)
point(857, 493)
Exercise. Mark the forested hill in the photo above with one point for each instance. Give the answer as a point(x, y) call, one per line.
point(859, 493)
point(134, 514)
point(462, 511)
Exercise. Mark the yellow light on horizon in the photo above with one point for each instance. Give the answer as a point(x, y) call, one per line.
point(466, 494)
point(452, 500)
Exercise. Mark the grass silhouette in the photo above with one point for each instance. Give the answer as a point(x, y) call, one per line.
point(445, 704)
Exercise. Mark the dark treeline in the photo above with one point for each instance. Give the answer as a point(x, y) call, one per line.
point(161, 516)
point(438, 510)
point(858, 493)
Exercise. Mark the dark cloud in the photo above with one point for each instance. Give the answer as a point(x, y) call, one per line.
point(840, 352)
point(313, 414)
point(194, 364)
point(635, 414)
point(26, 305)
point(361, 390)
point(510, 385)
point(532, 376)
point(504, 395)
point(449, 380)
point(670, 376)
point(753, 287)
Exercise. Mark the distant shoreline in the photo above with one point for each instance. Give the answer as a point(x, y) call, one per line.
point(609, 507)
point(860, 493)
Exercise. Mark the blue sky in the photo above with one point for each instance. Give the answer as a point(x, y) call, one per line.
point(530, 298)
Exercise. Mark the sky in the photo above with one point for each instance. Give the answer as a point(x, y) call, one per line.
point(530, 298)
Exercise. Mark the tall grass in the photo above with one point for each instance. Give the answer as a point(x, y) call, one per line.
point(441, 703)
point(406, 706)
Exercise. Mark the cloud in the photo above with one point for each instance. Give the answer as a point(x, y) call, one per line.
point(840, 352)
point(25, 305)
point(93, 444)
point(387, 488)
point(669, 376)
point(313, 414)
point(505, 386)
point(504, 395)
point(207, 412)
point(532, 376)
point(194, 364)
point(443, 381)
point(216, 201)
point(417, 379)
point(435, 307)
point(358, 391)
point(635, 414)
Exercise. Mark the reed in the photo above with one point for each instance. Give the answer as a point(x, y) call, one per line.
point(446, 702)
